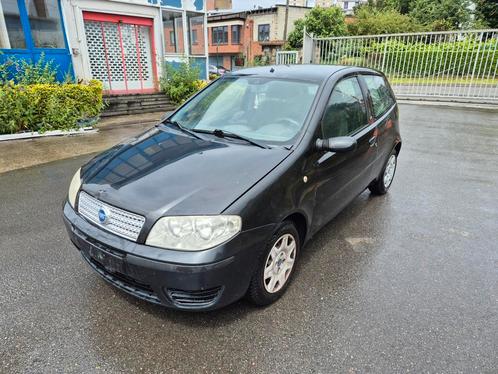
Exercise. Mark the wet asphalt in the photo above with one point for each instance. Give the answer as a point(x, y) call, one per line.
point(407, 282)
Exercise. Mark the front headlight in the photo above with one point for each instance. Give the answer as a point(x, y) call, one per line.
point(74, 187)
point(193, 233)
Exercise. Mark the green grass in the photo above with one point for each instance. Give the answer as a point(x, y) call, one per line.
point(443, 80)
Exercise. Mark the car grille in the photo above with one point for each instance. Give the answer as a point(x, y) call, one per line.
point(120, 222)
point(194, 299)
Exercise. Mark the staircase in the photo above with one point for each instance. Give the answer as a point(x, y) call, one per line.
point(118, 105)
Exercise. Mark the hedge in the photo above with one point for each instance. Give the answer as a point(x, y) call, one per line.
point(421, 59)
point(43, 107)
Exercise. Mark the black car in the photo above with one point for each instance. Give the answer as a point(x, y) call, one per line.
point(217, 201)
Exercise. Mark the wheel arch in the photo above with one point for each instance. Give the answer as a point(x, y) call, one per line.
point(397, 148)
point(300, 220)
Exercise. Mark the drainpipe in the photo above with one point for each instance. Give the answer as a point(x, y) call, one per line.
point(286, 19)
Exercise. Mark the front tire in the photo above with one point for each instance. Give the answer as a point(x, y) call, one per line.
point(275, 266)
point(381, 185)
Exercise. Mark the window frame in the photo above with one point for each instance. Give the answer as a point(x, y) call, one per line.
point(193, 37)
point(28, 37)
point(222, 27)
point(259, 32)
point(179, 41)
point(364, 93)
point(232, 29)
point(371, 116)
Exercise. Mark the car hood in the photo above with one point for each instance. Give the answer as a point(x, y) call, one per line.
point(165, 172)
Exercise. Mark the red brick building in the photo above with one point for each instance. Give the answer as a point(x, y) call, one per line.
point(242, 36)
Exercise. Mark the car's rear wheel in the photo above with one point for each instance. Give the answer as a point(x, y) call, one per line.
point(381, 185)
point(275, 266)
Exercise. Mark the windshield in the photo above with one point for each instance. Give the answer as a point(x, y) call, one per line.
point(264, 109)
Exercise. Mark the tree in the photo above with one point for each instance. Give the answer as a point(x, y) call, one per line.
point(401, 6)
point(456, 12)
point(321, 22)
point(487, 11)
point(372, 22)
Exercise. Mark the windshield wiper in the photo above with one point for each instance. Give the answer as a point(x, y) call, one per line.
point(228, 134)
point(181, 128)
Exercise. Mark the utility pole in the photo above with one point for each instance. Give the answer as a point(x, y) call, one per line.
point(286, 19)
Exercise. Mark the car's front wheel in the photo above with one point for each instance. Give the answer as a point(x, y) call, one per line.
point(275, 266)
point(381, 185)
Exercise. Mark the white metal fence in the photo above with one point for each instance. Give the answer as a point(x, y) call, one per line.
point(454, 65)
point(286, 57)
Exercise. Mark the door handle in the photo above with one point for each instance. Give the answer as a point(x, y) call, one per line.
point(373, 141)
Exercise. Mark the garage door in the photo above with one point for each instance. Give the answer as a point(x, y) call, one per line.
point(120, 50)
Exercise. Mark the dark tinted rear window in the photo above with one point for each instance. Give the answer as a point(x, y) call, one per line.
point(380, 93)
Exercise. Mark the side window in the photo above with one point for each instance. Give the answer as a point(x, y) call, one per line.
point(382, 98)
point(346, 111)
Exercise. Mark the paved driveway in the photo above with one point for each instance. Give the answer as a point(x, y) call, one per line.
point(404, 282)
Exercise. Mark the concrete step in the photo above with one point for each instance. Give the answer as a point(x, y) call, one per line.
point(134, 111)
point(164, 103)
point(134, 99)
point(136, 104)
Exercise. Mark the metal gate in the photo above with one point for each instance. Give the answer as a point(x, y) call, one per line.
point(453, 65)
point(286, 57)
point(121, 51)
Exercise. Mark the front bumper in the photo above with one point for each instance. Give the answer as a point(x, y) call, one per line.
point(183, 280)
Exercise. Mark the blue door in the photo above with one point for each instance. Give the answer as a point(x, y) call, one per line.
point(30, 28)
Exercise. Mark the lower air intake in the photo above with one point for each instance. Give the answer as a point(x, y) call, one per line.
point(194, 299)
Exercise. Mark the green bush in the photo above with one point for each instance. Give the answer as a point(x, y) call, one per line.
point(418, 59)
point(42, 107)
point(179, 83)
point(369, 21)
point(25, 72)
point(321, 22)
point(430, 59)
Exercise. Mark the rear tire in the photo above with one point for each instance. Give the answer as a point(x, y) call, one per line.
point(275, 266)
point(381, 185)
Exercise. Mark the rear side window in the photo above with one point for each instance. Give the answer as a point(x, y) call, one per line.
point(380, 93)
point(346, 111)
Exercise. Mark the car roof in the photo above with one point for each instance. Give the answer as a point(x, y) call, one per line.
point(317, 73)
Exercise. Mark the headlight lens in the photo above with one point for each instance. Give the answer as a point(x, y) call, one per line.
point(74, 187)
point(193, 233)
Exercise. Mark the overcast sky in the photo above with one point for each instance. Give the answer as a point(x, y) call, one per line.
point(249, 4)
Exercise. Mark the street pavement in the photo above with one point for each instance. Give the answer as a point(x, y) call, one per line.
point(111, 130)
point(406, 282)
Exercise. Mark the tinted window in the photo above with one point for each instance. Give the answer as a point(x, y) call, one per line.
point(381, 95)
point(263, 33)
point(220, 35)
point(10, 21)
point(346, 111)
point(236, 34)
point(45, 22)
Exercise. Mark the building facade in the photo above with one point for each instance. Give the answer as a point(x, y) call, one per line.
point(123, 43)
point(236, 39)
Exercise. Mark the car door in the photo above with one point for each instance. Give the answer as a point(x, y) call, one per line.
point(383, 114)
point(341, 177)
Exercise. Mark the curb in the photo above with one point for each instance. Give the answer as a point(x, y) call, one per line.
point(36, 134)
point(492, 108)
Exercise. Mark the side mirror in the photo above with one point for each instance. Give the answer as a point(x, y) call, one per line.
point(338, 144)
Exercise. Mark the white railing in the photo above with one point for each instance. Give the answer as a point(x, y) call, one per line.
point(286, 57)
point(452, 65)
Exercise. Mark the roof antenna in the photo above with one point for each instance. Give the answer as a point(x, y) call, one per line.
point(272, 70)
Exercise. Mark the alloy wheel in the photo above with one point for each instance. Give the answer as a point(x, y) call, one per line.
point(279, 263)
point(389, 171)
